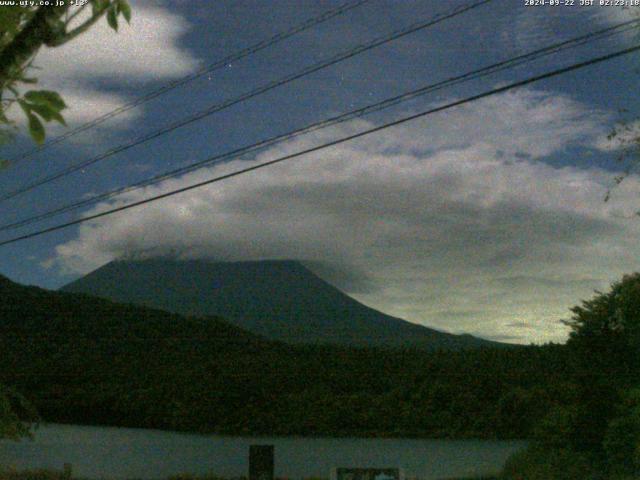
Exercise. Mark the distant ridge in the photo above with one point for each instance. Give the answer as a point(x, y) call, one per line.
point(278, 299)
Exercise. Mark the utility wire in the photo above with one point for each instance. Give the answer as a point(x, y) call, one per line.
point(378, 106)
point(300, 153)
point(246, 96)
point(234, 57)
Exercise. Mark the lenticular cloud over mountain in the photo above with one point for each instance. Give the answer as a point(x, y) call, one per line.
point(461, 221)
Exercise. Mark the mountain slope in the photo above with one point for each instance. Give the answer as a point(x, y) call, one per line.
point(280, 300)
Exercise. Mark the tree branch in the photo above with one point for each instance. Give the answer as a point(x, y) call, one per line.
point(24, 45)
point(75, 14)
point(56, 42)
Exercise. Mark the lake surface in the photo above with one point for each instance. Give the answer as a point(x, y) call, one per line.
point(98, 452)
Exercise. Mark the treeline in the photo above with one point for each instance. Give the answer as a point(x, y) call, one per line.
point(79, 359)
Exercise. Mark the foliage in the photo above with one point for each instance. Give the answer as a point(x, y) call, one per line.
point(535, 463)
point(609, 317)
point(560, 428)
point(16, 414)
point(597, 433)
point(23, 31)
point(622, 439)
point(625, 136)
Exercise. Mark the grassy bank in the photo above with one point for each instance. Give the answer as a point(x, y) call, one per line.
point(42, 474)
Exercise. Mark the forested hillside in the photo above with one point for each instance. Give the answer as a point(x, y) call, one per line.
point(85, 360)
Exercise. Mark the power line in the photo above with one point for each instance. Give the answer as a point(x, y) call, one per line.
point(500, 66)
point(248, 95)
point(394, 123)
point(234, 57)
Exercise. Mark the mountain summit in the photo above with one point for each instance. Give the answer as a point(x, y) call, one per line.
point(279, 299)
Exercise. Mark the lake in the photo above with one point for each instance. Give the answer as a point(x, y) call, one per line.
point(98, 452)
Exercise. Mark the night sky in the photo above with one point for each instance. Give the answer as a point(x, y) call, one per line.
point(487, 218)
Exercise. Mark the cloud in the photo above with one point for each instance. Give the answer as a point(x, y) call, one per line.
point(534, 28)
point(454, 221)
point(625, 136)
point(518, 325)
point(616, 15)
point(87, 69)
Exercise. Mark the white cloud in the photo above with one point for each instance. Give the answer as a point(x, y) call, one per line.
point(534, 28)
point(617, 14)
point(453, 219)
point(147, 50)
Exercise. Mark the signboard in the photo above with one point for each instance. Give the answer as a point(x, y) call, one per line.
point(261, 462)
point(367, 474)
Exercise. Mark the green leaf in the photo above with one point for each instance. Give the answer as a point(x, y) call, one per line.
point(57, 29)
point(125, 9)
point(43, 110)
point(36, 129)
point(26, 107)
point(46, 97)
point(98, 5)
point(112, 18)
point(11, 19)
point(58, 118)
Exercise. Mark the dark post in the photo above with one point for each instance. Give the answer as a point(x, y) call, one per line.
point(261, 462)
